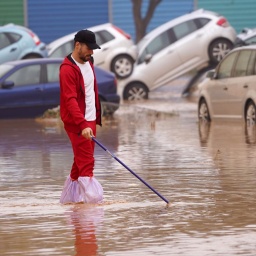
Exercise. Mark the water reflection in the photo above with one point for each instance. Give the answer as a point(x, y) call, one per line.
point(85, 219)
point(226, 129)
point(250, 133)
point(207, 173)
point(232, 148)
point(31, 146)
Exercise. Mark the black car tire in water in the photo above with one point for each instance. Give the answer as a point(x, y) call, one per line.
point(122, 66)
point(108, 108)
point(135, 91)
point(32, 56)
point(203, 111)
point(250, 114)
point(218, 49)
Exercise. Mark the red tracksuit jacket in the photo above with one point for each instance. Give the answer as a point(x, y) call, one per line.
point(72, 97)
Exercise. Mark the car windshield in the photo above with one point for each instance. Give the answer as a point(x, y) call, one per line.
point(4, 69)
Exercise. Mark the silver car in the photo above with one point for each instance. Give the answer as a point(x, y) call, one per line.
point(229, 91)
point(117, 53)
point(189, 42)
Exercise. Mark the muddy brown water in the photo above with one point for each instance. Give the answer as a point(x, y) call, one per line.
point(208, 173)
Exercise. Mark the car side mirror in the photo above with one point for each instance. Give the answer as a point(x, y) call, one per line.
point(148, 58)
point(7, 84)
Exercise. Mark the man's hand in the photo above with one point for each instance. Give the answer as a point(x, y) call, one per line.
point(87, 133)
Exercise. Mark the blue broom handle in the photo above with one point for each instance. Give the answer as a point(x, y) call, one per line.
point(131, 171)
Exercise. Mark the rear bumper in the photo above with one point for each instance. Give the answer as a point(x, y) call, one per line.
point(112, 98)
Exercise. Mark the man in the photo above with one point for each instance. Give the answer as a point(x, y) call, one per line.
point(80, 111)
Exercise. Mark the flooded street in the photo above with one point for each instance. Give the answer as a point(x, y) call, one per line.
point(208, 173)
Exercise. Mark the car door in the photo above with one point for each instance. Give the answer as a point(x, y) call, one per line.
point(241, 81)
point(51, 93)
point(159, 60)
point(188, 40)
point(218, 88)
point(107, 43)
point(24, 98)
point(9, 48)
point(63, 50)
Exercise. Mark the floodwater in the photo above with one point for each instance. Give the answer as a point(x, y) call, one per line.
point(207, 173)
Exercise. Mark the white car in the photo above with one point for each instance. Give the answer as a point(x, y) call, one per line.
point(189, 42)
point(246, 37)
point(229, 91)
point(117, 53)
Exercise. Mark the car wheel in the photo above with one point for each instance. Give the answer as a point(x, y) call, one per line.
point(203, 111)
point(218, 49)
point(135, 91)
point(122, 66)
point(106, 108)
point(250, 114)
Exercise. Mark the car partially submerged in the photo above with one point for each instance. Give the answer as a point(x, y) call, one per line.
point(30, 87)
point(229, 91)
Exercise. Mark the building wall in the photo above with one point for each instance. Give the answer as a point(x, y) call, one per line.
point(239, 13)
point(122, 14)
point(51, 19)
point(11, 11)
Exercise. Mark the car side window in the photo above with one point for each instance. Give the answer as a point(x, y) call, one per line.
point(103, 37)
point(201, 22)
point(26, 75)
point(4, 40)
point(53, 72)
point(251, 40)
point(242, 63)
point(251, 69)
point(157, 44)
point(184, 29)
point(225, 67)
point(14, 37)
point(63, 50)
point(7, 39)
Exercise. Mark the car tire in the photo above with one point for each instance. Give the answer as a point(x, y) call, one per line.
point(203, 111)
point(218, 49)
point(32, 56)
point(250, 113)
point(107, 108)
point(122, 66)
point(135, 91)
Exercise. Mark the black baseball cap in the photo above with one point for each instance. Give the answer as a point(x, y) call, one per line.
point(87, 37)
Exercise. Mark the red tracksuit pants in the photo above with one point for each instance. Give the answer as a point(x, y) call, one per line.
point(83, 150)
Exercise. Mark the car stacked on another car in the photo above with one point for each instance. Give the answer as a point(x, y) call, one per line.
point(18, 42)
point(192, 41)
point(117, 53)
point(30, 87)
point(229, 91)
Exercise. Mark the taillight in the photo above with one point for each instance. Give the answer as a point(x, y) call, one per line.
point(222, 22)
point(122, 32)
point(35, 37)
